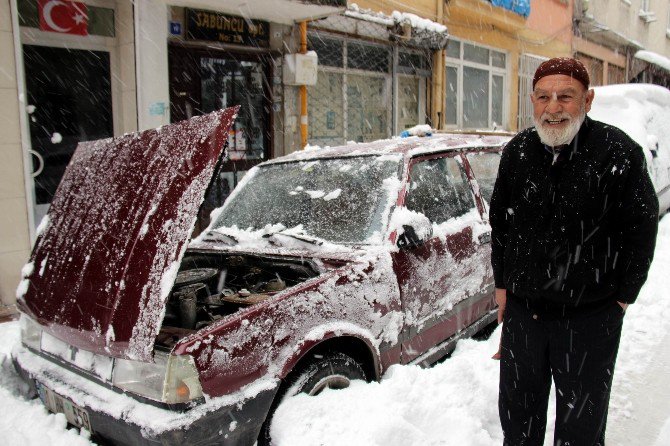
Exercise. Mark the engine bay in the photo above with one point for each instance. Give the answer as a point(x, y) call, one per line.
point(211, 286)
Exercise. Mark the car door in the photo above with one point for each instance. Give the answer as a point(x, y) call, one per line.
point(443, 283)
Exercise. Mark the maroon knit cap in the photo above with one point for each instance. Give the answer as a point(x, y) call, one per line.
point(562, 65)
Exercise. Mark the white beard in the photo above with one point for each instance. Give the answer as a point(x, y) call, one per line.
point(558, 136)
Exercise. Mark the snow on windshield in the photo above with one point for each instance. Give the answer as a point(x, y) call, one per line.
point(339, 200)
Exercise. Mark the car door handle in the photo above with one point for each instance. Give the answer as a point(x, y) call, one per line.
point(485, 237)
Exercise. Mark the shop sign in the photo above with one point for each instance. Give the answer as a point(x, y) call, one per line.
point(217, 27)
point(64, 17)
point(175, 28)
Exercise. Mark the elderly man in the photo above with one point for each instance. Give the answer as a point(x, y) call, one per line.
point(574, 218)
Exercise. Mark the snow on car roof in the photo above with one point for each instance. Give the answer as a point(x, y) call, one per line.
point(406, 147)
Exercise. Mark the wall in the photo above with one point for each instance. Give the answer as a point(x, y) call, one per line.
point(551, 19)
point(14, 233)
point(622, 16)
point(151, 18)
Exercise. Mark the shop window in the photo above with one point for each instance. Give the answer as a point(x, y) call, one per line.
point(476, 90)
point(409, 93)
point(367, 109)
point(226, 82)
point(353, 99)
point(414, 63)
point(100, 20)
point(368, 57)
point(330, 51)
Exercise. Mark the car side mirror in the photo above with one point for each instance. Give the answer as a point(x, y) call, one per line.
point(413, 228)
point(409, 238)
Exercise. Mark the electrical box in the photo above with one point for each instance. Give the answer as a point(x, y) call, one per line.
point(300, 69)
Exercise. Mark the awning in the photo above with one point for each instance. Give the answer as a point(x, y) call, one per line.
point(278, 11)
point(404, 26)
point(654, 58)
point(602, 34)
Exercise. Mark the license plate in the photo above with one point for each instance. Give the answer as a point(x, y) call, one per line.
point(74, 414)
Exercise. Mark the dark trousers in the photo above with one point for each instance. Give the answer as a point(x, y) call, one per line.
point(578, 351)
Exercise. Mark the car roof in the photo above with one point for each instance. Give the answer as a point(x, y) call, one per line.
point(405, 147)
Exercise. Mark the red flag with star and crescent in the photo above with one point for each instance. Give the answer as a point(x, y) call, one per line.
point(63, 16)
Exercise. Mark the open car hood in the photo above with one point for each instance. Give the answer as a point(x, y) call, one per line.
point(109, 249)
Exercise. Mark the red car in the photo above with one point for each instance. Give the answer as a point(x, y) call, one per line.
point(323, 266)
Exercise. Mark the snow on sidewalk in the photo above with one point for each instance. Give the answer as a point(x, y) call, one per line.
point(453, 403)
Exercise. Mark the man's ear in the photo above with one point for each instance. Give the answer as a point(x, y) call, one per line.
point(589, 100)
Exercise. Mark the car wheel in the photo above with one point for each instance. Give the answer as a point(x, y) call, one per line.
point(333, 370)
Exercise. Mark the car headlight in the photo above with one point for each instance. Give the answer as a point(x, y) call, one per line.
point(31, 332)
point(170, 379)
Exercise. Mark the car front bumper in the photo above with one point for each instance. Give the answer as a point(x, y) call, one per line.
point(116, 418)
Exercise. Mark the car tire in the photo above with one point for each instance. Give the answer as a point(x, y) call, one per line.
point(332, 370)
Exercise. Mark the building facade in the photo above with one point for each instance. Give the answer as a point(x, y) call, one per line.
point(83, 70)
point(623, 40)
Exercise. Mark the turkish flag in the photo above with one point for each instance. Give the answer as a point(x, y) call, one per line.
point(63, 16)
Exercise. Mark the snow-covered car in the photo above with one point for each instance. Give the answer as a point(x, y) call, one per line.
point(322, 267)
point(643, 112)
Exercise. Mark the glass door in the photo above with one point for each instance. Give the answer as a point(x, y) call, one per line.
point(203, 80)
point(69, 99)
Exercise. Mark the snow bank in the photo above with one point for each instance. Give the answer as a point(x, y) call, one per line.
point(455, 402)
point(643, 112)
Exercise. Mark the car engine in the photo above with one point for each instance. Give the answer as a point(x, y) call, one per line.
point(209, 287)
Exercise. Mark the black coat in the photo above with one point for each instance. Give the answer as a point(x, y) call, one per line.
point(578, 230)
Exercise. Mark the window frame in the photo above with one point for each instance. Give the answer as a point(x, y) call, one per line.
point(492, 70)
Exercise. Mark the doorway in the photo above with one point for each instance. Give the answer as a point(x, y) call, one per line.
point(69, 99)
point(203, 80)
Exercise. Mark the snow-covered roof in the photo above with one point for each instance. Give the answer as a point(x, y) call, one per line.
point(406, 147)
point(396, 18)
point(653, 58)
point(425, 32)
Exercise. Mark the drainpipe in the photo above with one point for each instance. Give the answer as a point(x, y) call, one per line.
point(303, 89)
point(438, 93)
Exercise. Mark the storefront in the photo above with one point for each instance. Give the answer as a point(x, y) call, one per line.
point(374, 75)
point(72, 85)
point(218, 60)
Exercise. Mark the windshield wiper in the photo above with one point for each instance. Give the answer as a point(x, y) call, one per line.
point(302, 237)
point(216, 236)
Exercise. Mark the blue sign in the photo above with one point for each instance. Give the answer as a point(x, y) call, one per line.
point(175, 28)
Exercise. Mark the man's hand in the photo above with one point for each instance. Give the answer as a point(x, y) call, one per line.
point(501, 300)
point(621, 304)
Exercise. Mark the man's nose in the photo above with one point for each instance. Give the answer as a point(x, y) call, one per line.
point(554, 106)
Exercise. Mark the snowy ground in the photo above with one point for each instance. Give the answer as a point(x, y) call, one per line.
point(453, 403)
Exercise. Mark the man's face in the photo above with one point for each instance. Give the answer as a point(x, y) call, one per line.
point(560, 104)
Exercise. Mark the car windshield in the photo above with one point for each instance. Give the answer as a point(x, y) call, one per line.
point(340, 200)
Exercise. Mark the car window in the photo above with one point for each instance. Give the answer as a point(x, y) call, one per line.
point(485, 168)
point(439, 189)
